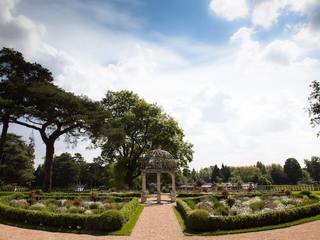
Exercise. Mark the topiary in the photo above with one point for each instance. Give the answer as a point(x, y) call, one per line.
point(111, 220)
point(198, 220)
point(230, 201)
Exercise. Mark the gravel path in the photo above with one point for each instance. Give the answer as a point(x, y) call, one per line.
point(159, 222)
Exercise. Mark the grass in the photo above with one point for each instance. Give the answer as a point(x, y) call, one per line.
point(125, 230)
point(246, 230)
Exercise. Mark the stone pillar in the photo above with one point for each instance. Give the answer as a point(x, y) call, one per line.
point(144, 188)
point(158, 187)
point(173, 192)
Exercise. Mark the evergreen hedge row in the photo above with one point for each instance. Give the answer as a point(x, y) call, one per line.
point(200, 221)
point(108, 221)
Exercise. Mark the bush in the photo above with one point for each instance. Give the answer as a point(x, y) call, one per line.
point(257, 205)
point(305, 193)
point(202, 221)
point(230, 201)
point(129, 208)
point(183, 208)
point(223, 210)
point(198, 220)
point(111, 220)
point(108, 221)
point(225, 193)
point(187, 194)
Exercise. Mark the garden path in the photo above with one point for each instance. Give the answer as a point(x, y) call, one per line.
point(159, 222)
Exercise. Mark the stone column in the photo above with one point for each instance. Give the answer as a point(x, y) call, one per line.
point(144, 188)
point(158, 187)
point(173, 192)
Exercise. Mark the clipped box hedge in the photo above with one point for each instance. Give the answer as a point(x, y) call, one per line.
point(108, 221)
point(200, 221)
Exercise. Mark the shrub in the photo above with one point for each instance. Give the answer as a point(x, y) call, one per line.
point(225, 193)
point(94, 205)
point(183, 208)
point(287, 192)
point(257, 205)
point(93, 196)
point(111, 220)
point(305, 193)
point(38, 207)
point(222, 210)
point(128, 209)
point(230, 201)
point(198, 220)
point(202, 221)
point(108, 221)
point(219, 187)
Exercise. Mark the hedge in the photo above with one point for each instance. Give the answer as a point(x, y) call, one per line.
point(199, 221)
point(110, 220)
point(128, 209)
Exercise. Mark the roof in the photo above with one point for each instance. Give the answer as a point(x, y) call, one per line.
point(158, 160)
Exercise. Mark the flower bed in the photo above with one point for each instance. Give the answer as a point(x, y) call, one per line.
point(211, 214)
point(78, 214)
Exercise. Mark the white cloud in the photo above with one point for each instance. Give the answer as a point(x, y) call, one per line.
point(239, 106)
point(230, 9)
point(18, 31)
point(281, 51)
point(266, 13)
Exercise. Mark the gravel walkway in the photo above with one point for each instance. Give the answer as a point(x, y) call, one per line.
point(159, 222)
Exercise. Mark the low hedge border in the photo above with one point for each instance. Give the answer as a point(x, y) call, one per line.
point(108, 221)
point(200, 221)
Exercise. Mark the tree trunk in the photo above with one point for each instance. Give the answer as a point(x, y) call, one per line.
point(5, 127)
point(48, 166)
point(129, 179)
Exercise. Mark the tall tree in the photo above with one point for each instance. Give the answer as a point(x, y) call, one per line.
point(293, 170)
point(314, 102)
point(17, 164)
point(216, 174)
point(225, 173)
point(16, 75)
point(54, 112)
point(65, 171)
point(313, 167)
point(277, 174)
point(144, 127)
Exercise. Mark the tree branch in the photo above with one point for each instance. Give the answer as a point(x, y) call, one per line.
point(26, 125)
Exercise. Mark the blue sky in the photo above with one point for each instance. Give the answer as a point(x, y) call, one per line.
point(234, 73)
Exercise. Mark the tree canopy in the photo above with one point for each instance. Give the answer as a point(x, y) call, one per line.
point(17, 164)
point(141, 127)
point(293, 170)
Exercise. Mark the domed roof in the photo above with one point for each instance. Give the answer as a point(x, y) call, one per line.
point(158, 160)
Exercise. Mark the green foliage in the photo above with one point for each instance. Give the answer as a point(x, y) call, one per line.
point(293, 170)
point(197, 220)
point(183, 208)
point(257, 205)
point(313, 167)
point(141, 127)
point(201, 221)
point(110, 220)
point(17, 164)
point(305, 193)
point(65, 170)
point(128, 209)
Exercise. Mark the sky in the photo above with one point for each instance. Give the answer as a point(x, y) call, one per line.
point(234, 73)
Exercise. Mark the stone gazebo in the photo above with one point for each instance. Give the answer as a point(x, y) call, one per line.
point(158, 161)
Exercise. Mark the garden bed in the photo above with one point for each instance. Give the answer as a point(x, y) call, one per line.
point(209, 213)
point(82, 214)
